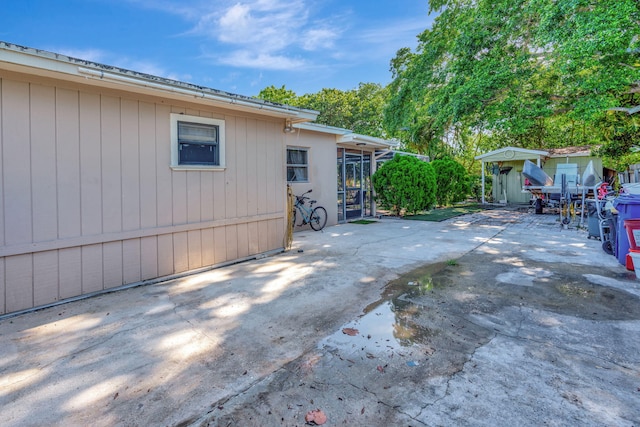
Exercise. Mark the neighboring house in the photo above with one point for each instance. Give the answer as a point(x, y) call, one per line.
point(505, 165)
point(112, 177)
point(337, 164)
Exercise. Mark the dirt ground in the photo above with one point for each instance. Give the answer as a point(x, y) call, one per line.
point(495, 318)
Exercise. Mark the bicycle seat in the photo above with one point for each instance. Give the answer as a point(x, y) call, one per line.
point(313, 201)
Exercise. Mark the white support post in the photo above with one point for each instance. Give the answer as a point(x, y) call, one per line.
point(483, 202)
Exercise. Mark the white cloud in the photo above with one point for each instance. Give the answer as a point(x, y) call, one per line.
point(270, 25)
point(267, 61)
point(319, 38)
point(280, 34)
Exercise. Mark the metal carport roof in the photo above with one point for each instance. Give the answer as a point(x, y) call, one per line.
point(507, 154)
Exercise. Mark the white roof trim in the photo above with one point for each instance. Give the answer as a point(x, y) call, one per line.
point(48, 64)
point(512, 153)
point(358, 139)
point(346, 136)
point(317, 127)
point(380, 154)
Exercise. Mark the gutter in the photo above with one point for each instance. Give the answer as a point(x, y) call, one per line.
point(49, 64)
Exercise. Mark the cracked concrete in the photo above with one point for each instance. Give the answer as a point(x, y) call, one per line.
point(493, 318)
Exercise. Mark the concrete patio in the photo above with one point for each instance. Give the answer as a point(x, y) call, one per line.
point(499, 317)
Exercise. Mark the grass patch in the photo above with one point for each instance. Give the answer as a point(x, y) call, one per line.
point(363, 221)
point(440, 214)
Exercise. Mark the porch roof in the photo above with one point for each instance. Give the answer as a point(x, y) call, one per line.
point(347, 137)
point(507, 154)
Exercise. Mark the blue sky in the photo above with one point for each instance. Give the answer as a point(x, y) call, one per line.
point(239, 46)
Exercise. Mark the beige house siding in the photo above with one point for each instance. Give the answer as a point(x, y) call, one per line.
point(322, 151)
point(323, 175)
point(88, 201)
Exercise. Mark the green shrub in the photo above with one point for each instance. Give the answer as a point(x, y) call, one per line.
point(405, 183)
point(453, 183)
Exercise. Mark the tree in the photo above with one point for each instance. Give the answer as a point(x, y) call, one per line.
point(369, 110)
point(359, 110)
point(334, 105)
point(452, 181)
point(405, 183)
point(281, 95)
point(529, 73)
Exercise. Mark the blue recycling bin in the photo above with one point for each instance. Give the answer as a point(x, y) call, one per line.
point(628, 207)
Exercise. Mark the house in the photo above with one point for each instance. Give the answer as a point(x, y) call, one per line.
point(337, 164)
point(505, 165)
point(112, 177)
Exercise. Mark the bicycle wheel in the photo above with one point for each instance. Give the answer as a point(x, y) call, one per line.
point(293, 217)
point(318, 218)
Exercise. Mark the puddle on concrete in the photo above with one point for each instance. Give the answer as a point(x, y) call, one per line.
point(387, 327)
point(391, 323)
point(416, 282)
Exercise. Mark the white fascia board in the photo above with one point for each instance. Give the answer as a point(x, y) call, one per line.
point(48, 64)
point(367, 140)
point(522, 153)
point(316, 127)
point(346, 136)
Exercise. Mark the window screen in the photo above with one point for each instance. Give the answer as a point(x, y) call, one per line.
point(297, 165)
point(198, 144)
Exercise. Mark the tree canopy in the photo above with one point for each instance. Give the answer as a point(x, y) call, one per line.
point(360, 109)
point(528, 73)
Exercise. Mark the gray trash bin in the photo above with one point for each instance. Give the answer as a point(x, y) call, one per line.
point(593, 220)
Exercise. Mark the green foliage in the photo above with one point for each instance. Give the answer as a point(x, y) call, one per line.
point(405, 183)
point(360, 110)
point(527, 73)
point(281, 95)
point(453, 183)
point(619, 149)
point(335, 106)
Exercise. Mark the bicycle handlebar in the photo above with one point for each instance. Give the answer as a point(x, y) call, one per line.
point(302, 197)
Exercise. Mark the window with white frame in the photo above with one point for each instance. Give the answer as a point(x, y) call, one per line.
point(197, 142)
point(297, 164)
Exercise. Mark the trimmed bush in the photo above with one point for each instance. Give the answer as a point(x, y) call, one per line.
point(453, 183)
point(405, 183)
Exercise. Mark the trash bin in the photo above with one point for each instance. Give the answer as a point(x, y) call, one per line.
point(593, 219)
point(628, 207)
point(632, 227)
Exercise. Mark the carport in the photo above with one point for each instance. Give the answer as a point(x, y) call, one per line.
point(507, 154)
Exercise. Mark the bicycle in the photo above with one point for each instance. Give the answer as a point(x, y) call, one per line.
point(315, 217)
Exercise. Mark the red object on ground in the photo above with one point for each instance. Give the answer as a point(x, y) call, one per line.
point(316, 416)
point(630, 225)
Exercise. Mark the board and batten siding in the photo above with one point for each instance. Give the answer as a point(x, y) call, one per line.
point(88, 201)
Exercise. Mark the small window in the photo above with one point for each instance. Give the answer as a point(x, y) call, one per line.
point(297, 165)
point(196, 142)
